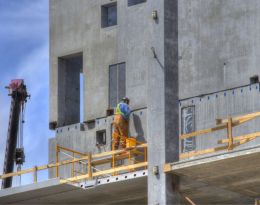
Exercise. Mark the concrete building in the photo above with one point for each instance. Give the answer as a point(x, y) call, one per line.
point(183, 64)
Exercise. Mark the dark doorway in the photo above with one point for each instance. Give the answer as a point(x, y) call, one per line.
point(69, 88)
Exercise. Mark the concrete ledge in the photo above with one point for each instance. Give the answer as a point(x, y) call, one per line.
point(210, 159)
point(127, 189)
point(236, 171)
point(29, 187)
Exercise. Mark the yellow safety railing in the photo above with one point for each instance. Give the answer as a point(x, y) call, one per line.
point(74, 155)
point(132, 154)
point(91, 161)
point(231, 141)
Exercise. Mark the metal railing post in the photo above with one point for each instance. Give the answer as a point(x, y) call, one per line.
point(90, 166)
point(229, 133)
point(57, 161)
point(145, 155)
point(35, 174)
point(73, 165)
point(113, 156)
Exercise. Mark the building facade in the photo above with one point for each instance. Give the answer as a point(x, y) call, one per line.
point(182, 63)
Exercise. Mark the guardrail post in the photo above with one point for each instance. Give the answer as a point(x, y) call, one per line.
point(35, 174)
point(113, 156)
point(129, 158)
point(145, 155)
point(73, 166)
point(57, 161)
point(90, 166)
point(230, 135)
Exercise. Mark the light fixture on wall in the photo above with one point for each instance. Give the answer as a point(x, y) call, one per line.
point(155, 15)
point(155, 170)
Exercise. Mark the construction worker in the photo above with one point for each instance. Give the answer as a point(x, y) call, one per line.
point(120, 123)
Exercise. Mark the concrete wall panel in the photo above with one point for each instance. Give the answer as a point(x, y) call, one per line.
point(218, 44)
point(221, 105)
point(75, 26)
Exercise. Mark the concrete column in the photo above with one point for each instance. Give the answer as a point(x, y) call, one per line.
point(163, 119)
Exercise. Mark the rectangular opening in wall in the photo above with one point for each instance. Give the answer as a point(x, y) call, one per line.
point(254, 79)
point(134, 2)
point(81, 82)
point(69, 89)
point(117, 83)
point(109, 15)
point(101, 138)
point(188, 126)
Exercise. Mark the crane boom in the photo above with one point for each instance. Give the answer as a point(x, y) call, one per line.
point(19, 95)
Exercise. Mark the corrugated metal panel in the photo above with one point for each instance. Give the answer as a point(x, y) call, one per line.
point(113, 87)
point(117, 83)
point(121, 81)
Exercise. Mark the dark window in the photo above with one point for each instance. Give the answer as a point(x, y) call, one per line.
point(117, 83)
point(188, 126)
point(134, 2)
point(254, 79)
point(101, 138)
point(109, 15)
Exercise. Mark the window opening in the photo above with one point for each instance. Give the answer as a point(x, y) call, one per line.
point(109, 15)
point(101, 138)
point(69, 89)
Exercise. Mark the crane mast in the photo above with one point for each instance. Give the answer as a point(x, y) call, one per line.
point(14, 152)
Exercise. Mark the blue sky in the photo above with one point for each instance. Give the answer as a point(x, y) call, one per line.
point(24, 53)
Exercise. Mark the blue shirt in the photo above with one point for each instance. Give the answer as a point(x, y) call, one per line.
point(124, 110)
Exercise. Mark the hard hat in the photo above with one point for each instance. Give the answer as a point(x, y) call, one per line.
point(125, 99)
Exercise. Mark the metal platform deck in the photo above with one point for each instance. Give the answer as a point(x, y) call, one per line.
point(127, 188)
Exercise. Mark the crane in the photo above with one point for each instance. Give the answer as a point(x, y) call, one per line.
point(14, 152)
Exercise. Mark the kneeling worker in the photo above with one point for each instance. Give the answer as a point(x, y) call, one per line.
point(121, 123)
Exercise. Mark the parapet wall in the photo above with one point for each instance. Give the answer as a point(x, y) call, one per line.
point(82, 138)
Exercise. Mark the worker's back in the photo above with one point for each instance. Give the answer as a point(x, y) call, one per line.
point(123, 109)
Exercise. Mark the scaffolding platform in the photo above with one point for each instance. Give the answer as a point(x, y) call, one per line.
point(128, 188)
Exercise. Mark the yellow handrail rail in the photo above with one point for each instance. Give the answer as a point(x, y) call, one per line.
point(222, 124)
point(91, 159)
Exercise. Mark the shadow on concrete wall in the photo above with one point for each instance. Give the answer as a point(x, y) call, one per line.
point(138, 128)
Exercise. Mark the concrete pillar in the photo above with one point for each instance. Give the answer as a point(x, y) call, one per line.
point(163, 119)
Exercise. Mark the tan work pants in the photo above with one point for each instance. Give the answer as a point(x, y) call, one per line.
point(120, 132)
